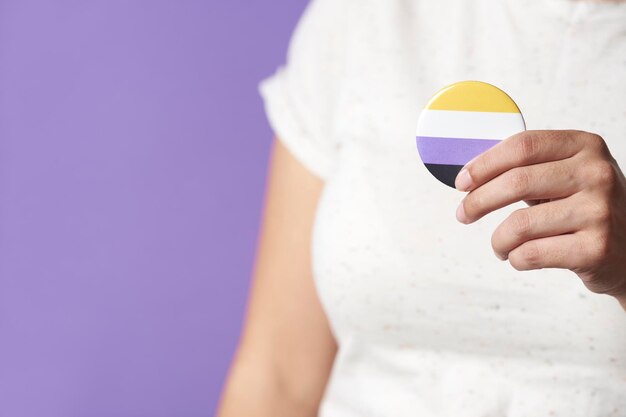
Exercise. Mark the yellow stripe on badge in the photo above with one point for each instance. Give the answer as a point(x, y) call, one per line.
point(472, 96)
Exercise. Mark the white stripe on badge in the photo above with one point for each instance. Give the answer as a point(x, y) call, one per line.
point(469, 124)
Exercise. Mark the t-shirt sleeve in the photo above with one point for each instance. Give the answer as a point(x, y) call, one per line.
point(300, 97)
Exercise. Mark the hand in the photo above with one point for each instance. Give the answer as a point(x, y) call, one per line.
point(576, 194)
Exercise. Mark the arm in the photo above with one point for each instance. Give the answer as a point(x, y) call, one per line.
point(286, 350)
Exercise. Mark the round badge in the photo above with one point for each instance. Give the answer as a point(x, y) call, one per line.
point(462, 121)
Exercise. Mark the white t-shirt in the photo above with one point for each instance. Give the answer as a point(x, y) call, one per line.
point(429, 322)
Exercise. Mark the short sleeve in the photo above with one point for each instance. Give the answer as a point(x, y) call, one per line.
point(300, 97)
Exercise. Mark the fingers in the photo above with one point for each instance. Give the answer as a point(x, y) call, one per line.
point(570, 182)
point(562, 251)
point(541, 220)
point(549, 180)
point(525, 148)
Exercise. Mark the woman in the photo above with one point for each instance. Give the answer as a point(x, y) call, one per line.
point(371, 297)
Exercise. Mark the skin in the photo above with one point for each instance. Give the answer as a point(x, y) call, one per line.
point(576, 194)
point(575, 219)
point(286, 351)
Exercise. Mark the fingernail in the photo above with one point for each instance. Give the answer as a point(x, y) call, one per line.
point(463, 180)
point(460, 213)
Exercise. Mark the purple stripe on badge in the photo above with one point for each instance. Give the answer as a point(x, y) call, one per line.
point(451, 151)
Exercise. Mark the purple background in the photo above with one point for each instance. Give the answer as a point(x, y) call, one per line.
point(133, 151)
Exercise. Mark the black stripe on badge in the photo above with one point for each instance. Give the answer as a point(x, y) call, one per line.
point(445, 173)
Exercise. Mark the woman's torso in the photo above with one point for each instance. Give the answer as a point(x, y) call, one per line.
point(429, 321)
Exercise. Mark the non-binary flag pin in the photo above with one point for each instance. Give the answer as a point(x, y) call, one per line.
point(462, 121)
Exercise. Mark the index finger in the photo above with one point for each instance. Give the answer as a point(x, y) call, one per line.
point(524, 148)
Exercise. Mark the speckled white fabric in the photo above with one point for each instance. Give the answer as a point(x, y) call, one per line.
point(429, 322)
